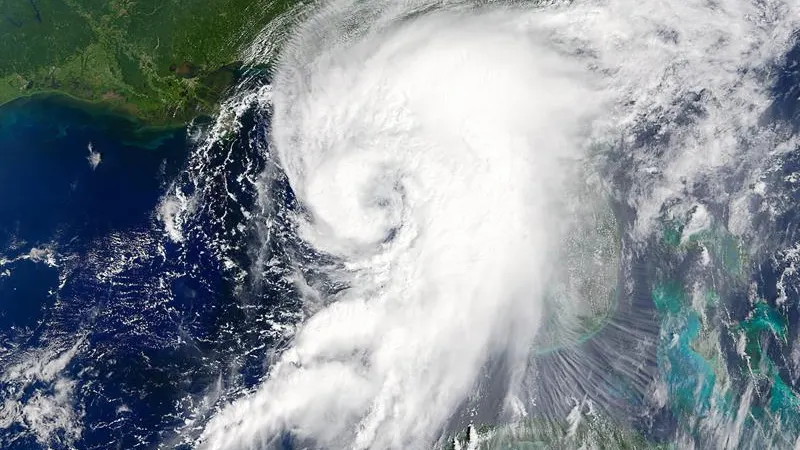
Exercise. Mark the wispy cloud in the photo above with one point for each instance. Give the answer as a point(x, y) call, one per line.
point(435, 152)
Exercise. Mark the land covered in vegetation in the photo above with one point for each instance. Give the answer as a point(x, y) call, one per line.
point(160, 61)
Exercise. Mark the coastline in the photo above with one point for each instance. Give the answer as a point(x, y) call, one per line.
point(161, 63)
point(130, 128)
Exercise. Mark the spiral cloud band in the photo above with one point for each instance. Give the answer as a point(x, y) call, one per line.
point(433, 147)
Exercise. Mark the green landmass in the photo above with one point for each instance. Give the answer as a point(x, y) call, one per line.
point(160, 61)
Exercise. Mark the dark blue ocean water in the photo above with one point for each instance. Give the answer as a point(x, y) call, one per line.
point(50, 192)
point(55, 206)
point(88, 269)
point(112, 334)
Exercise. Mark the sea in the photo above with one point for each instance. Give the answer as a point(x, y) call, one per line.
point(113, 329)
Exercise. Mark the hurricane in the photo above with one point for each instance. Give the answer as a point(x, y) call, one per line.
point(475, 183)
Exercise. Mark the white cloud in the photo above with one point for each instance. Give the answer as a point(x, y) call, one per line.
point(94, 157)
point(40, 398)
point(434, 152)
